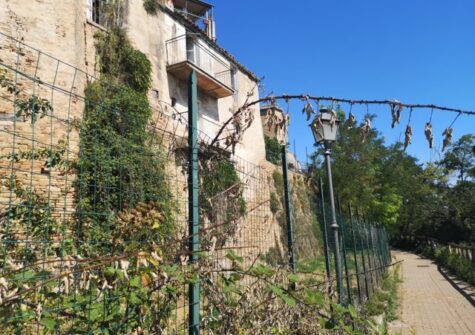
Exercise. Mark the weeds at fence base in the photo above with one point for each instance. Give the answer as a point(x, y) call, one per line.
point(384, 302)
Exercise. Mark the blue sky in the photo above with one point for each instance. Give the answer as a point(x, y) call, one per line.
point(416, 51)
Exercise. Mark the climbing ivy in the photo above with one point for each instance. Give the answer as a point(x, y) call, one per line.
point(118, 165)
point(151, 6)
point(25, 106)
point(121, 63)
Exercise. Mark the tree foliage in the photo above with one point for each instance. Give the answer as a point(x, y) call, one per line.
point(390, 186)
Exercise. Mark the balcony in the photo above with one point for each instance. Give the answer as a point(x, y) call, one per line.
point(186, 53)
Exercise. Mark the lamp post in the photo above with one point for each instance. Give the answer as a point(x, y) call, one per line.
point(324, 129)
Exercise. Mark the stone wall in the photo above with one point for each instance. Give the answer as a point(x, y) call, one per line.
point(47, 36)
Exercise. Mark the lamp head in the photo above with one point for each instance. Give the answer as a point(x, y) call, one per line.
point(325, 126)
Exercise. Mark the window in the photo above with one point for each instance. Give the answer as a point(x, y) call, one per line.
point(155, 96)
point(96, 11)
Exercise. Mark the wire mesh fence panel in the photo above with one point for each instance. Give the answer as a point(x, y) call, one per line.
point(91, 209)
point(94, 217)
point(363, 251)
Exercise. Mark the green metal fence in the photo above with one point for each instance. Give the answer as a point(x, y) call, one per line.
point(99, 218)
point(364, 248)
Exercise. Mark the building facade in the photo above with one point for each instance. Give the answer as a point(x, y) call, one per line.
point(47, 48)
point(178, 38)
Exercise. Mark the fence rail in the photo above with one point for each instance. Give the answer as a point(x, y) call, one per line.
point(465, 251)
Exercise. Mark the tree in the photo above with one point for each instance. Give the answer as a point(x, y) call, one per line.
point(390, 186)
point(461, 158)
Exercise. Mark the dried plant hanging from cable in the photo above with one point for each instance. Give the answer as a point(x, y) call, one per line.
point(396, 110)
point(448, 133)
point(351, 121)
point(408, 133)
point(366, 127)
point(307, 107)
point(428, 130)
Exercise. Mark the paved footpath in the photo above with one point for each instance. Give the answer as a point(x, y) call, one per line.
point(429, 303)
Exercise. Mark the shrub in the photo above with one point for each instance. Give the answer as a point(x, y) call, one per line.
point(455, 264)
point(274, 203)
point(273, 150)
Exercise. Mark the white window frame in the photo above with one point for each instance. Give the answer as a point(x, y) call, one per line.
point(90, 12)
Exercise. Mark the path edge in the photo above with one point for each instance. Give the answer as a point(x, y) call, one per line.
point(467, 296)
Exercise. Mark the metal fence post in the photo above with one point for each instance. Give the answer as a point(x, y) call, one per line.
point(325, 234)
point(193, 209)
point(373, 266)
point(388, 249)
point(357, 271)
point(378, 250)
point(374, 240)
point(343, 246)
point(365, 268)
point(288, 210)
point(369, 268)
point(379, 247)
point(384, 250)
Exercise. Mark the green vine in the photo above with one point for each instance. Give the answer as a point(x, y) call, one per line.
point(7, 83)
point(118, 165)
point(26, 107)
point(30, 216)
point(52, 157)
point(121, 63)
point(151, 6)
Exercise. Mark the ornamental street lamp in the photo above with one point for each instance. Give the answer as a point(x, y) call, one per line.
point(324, 128)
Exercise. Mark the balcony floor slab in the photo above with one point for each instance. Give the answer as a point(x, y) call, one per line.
point(206, 82)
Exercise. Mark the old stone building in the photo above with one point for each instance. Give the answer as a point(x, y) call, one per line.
point(47, 48)
point(274, 123)
point(179, 37)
